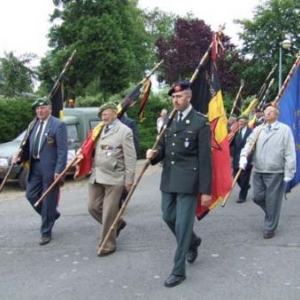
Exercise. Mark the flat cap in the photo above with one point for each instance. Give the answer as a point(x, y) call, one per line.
point(40, 102)
point(179, 87)
point(108, 105)
point(243, 117)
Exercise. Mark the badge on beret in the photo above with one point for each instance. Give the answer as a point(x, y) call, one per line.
point(177, 88)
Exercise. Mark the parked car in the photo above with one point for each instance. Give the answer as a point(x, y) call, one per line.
point(79, 122)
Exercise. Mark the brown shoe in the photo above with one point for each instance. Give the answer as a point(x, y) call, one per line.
point(45, 240)
point(106, 253)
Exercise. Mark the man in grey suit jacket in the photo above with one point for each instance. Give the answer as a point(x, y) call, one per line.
point(113, 169)
point(47, 153)
point(186, 154)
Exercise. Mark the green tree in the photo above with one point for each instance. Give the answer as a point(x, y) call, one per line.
point(273, 22)
point(111, 42)
point(15, 74)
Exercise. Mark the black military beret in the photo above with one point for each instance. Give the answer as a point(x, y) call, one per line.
point(179, 87)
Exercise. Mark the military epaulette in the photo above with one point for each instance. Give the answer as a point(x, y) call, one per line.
point(201, 114)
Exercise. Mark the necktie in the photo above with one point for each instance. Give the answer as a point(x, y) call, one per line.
point(180, 117)
point(240, 134)
point(106, 129)
point(269, 127)
point(37, 140)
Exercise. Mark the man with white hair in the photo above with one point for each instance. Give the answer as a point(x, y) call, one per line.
point(274, 164)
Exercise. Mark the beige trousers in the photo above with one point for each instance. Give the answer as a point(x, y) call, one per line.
point(103, 205)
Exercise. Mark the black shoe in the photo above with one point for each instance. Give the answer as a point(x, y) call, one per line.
point(120, 227)
point(240, 200)
point(193, 251)
point(57, 215)
point(268, 234)
point(174, 280)
point(45, 240)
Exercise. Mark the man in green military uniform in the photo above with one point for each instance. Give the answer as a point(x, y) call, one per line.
point(186, 154)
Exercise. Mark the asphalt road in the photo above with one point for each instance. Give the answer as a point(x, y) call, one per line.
point(234, 261)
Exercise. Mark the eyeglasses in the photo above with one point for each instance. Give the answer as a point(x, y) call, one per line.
point(269, 112)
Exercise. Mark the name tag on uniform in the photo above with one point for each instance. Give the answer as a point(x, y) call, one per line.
point(186, 143)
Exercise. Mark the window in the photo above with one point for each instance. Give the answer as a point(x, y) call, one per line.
point(72, 134)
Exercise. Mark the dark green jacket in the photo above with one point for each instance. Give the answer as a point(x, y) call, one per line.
point(186, 154)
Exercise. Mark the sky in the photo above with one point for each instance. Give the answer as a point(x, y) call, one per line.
point(24, 25)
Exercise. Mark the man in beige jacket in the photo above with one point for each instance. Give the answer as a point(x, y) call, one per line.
point(113, 169)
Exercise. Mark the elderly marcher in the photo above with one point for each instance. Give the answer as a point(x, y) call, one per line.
point(113, 169)
point(47, 155)
point(274, 160)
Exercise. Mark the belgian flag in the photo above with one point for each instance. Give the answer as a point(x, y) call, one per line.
point(207, 99)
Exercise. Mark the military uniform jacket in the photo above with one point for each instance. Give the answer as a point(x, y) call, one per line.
point(186, 154)
point(115, 157)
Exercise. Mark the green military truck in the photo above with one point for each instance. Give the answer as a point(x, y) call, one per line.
point(79, 122)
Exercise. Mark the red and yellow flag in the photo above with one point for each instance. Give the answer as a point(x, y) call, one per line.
point(85, 161)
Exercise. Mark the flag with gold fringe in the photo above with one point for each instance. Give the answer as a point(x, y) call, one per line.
point(145, 96)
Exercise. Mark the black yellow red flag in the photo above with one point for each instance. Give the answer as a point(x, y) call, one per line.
point(207, 98)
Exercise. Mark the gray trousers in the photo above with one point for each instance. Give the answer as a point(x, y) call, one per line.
point(268, 189)
point(179, 214)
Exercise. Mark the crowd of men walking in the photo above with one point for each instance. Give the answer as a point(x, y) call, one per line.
point(267, 150)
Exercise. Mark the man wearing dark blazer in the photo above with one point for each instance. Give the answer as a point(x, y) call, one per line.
point(186, 154)
point(236, 146)
point(47, 153)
